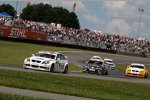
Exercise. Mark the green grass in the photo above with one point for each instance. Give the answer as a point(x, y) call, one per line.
point(121, 67)
point(74, 68)
point(93, 88)
point(14, 53)
point(5, 96)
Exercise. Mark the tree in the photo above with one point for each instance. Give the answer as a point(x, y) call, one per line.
point(46, 13)
point(74, 22)
point(35, 12)
point(8, 8)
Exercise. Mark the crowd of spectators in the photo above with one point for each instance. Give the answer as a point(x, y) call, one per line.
point(2, 20)
point(85, 37)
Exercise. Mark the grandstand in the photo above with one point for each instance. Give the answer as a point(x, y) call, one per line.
point(80, 37)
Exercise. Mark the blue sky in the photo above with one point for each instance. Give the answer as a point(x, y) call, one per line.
point(107, 16)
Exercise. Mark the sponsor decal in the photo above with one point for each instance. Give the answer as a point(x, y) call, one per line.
point(62, 65)
point(50, 60)
point(16, 32)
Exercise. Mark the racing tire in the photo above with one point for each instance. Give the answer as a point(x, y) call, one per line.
point(24, 67)
point(106, 72)
point(52, 68)
point(66, 70)
point(99, 72)
point(84, 71)
point(146, 75)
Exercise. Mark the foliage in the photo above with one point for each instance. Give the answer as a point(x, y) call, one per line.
point(46, 13)
point(8, 8)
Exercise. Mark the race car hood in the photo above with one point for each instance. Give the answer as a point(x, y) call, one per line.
point(136, 69)
point(109, 63)
point(92, 65)
point(36, 58)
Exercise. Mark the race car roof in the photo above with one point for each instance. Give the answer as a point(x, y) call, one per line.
point(137, 64)
point(107, 59)
point(100, 60)
point(96, 57)
point(49, 52)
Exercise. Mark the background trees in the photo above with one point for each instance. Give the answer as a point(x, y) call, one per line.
point(46, 13)
point(8, 8)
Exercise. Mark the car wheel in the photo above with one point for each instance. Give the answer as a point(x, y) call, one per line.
point(106, 72)
point(84, 70)
point(99, 72)
point(66, 69)
point(146, 75)
point(52, 68)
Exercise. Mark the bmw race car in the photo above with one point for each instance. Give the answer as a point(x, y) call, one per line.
point(47, 61)
point(95, 66)
point(138, 70)
point(110, 63)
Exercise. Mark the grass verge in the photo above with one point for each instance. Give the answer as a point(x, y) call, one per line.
point(75, 68)
point(92, 88)
point(5, 96)
point(14, 53)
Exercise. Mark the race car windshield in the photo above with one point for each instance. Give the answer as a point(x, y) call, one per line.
point(134, 66)
point(95, 62)
point(109, 61)
point(45, 55)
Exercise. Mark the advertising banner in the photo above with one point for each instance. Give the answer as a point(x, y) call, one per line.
point(24, 33)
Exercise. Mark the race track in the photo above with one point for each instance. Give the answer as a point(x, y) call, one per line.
point(79, 59)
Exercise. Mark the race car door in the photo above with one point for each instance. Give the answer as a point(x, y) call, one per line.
point(61, 62)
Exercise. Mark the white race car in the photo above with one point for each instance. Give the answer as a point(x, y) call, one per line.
point(96, 58)
point(110, 63)
point(47, 61)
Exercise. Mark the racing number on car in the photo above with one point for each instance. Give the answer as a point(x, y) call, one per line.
point(61, 66)
point(58, 64)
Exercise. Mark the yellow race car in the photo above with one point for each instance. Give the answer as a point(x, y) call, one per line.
point(137, 70)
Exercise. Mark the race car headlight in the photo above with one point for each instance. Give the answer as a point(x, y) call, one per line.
point(45, 62)
point(141, 72)
point(128, 71)
point(28, 59)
